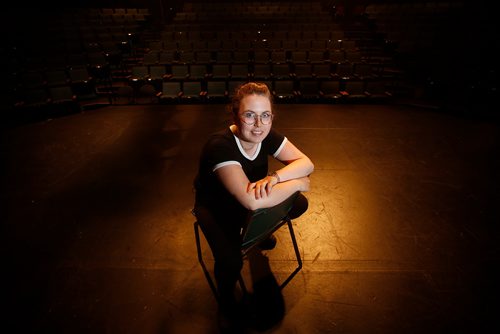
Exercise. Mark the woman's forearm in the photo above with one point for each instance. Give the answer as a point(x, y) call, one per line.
point(296, 169)
point(279, 193)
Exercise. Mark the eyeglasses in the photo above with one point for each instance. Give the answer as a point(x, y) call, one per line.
point(250, 118)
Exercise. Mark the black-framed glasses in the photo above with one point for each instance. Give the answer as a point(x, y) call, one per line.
point(250, 118)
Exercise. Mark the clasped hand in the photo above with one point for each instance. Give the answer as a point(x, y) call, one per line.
point(263, 187)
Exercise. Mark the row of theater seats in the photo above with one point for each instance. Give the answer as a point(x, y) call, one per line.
point(36, 88)
point(38, 104)
point(252, 6)
point(254, 44)
point(252, 18)
point(290, 91)
point(195, 31)
point(344, 71)
point(101, 16)
point(284, 31)
point(167, 57)
point(252, 11)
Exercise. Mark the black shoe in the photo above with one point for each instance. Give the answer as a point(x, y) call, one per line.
point(269, 243)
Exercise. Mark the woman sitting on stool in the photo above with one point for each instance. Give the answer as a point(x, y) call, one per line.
point(233, 178)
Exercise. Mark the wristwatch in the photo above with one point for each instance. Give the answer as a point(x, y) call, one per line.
point(276, 176)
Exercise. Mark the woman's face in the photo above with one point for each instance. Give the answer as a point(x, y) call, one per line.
point(261, 107)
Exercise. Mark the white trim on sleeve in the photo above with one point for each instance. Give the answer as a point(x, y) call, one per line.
point(280, 148)
point(225, 163)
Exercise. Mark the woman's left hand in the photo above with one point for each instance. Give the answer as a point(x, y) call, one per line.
point(263, 187)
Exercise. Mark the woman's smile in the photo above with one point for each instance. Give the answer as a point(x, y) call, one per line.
point(257, 104)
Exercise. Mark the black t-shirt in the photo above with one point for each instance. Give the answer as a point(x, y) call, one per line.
point(224, 148)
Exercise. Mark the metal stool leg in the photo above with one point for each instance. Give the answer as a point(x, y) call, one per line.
point(202, 263)
point(297, 254)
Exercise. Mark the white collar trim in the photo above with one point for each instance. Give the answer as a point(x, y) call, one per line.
point(240, 147)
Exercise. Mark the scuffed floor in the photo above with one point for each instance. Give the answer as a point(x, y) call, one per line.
point(401, 235)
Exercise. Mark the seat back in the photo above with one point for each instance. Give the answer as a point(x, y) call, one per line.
point(191, 89)
point(262, 222)
point(171, 90)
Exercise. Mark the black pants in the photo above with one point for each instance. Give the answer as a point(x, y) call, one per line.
point(223, 236)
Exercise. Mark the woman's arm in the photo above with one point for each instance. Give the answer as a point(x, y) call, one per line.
point(294, 176)
point(237, 183)
point(297, 165)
